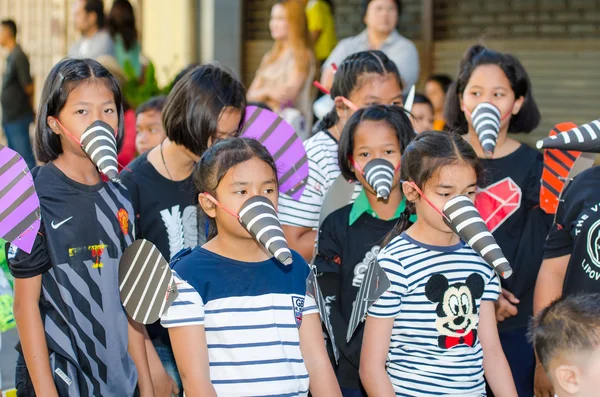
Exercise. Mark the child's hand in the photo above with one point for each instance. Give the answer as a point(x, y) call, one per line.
point(542, 387)
point(506, 305)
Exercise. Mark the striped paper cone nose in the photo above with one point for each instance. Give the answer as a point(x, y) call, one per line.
point(470, 227)
point(486, 122)
point(19, 203)
point(259, 217)
point(146, 283)
point(585, 138)
point(379, 174)
point(99, 143)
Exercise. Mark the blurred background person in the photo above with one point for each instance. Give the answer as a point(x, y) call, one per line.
point(121, 26)
point(284, 79)
point(17, 91)
point(88, 16)
point(436, 88)
point(321, 25)
point(380, 18)
point(148, 124)
point(422, 114)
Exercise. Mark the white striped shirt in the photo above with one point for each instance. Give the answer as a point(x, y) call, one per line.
point(322, 153)
point(435, 296)
point(251, 313)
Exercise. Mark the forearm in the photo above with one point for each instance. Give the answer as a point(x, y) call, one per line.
point(35, 349)
point(137, 351)
point(375, 380)
point(548, 288)
point(196, 386)
point(323, 382)
point(497, 373)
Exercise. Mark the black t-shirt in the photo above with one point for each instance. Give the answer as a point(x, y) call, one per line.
point(512, 212)
point(83, 234)
point(15, 101)
point(344, 254)
point(577, 232)
point(166, 215)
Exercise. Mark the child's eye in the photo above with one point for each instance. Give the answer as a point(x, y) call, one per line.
point(476, 93)
point(389, 152)
point(241, 192)
point(471, 193)
point(81, 111)
point(444, 194)
point(109, 110)
point(397, 103)
point(269, 191)
point(364, 154)
point(499, 94)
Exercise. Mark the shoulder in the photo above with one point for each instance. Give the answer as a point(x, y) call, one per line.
point(338, 219)
point(320, 145)
point(527, 152)
point(587, 180)
point(138, 167)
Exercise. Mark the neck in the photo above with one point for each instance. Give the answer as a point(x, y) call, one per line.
point(376, 39)
point(78, 168)
point(90, 32)
point(239, 249)
point(427, 234)
point(10, 45)
point(178, 164)
point(438, 115)
point(336, 131)
point(385, 209)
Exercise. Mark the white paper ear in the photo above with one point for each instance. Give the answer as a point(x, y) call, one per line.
point(486, 122)
point(259, 218)
point(585, 138)
point(466, 221)
point(379, 174)
point(100, 145)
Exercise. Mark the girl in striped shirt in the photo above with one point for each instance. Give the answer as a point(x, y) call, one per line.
point(433, 332)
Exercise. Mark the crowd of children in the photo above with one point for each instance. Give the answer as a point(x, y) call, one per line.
point(244, 323)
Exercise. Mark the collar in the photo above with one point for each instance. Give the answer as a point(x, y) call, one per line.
point(362, 205)
point(363, 38)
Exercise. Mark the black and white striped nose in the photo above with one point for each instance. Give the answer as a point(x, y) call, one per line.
point(585, 138)
point(100, 145)
point(466, 221)
point(259, 217)
point(379, 174)
point(486, 122)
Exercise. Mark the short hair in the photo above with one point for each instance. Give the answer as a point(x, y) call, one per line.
point(420, 98)
point(528, 117)
point(442, 79)
point(194, 105)
point(97, 7)
point(64, 77)
point(10, 25)
point(570, 324)
point(395, 116)
point(365, 6)
point(155, 104)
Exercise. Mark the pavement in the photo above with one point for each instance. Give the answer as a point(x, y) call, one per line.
point(8, 358)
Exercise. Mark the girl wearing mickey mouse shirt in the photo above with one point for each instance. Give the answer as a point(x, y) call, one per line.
point(433, 332)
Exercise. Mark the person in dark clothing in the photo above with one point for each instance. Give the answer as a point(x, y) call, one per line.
point(352, 236)
point(17, 89)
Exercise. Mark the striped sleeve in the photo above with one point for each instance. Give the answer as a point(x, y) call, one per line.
point(388, 304)
point(492, 288)
point(188, 308)
point(310, 306)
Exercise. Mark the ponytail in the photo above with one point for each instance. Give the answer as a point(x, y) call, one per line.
point(400, 227)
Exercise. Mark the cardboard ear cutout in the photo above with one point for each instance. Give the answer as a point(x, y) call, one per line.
point(285, 146)
point(146, 284)
point(585, 138)
point(20, 214)
point(314, 291)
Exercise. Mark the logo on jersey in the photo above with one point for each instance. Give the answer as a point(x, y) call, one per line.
point(182, 228)
point(591, 262)
point(298, 306)
point(123, 218)
point(96, 252)
point(361, 267)
point(59, 224)
point(498, 202)
point(593, 243)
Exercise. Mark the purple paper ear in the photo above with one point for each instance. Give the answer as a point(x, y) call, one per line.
point(466, 222)
point(585, 138)
point(100, 145)
point(486, 122)
point(379, 174)
point(259, 218)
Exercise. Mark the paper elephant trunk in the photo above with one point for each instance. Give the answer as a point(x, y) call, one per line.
point(259, 218)
point(379, 174)
point(100, 144)
point(466, 222)
point(585, 138)
point(486, 122)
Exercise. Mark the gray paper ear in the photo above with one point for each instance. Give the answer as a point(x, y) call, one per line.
point(146, 284)
point(314, 291)
point(100, 145)
point(259, 217)
point(379, 174)
point(585, 138)
point(470, 227)
point(486, 122)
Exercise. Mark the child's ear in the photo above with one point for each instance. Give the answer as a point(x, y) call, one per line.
point(568, 378)
point(518, 105)
point(207, 206)
point(410, 192)
point(51, 120)
point(340, 107)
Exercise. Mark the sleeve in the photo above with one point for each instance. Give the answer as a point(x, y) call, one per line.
point(560, 242)
point(24, 265)
point(314, 17)
point(339, 53)
point(408, 64)
point(23, 71)
point(134, 195)
point(388, 304)
point(492, 289)
point(186, 310)
point(531, 192)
